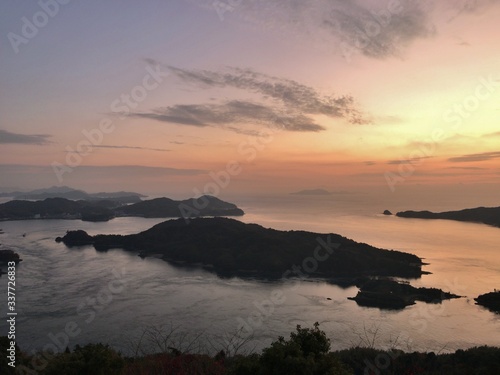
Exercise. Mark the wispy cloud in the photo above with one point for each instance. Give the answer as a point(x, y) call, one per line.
point(392, 162)
point(388, 120)
point(131, 147)
point(475, 157)
point(467, 168)
point(355, 23)
point(7, 137)
point(103, 178)
point(375, 29)
point(474, 6)
point(104, 170)
point(231, 113)
point(283, 103)
point(490, 135)
point(291, 94)
point(139, 170)
point(359, 26)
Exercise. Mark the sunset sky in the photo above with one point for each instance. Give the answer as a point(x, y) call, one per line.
point(302, 95)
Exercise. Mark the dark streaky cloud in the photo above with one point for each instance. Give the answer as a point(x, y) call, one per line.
point(475, 157)
point(378, 33)
point(286, 104)
point(7, 137)
point(229, 113)
point(416, 159)
point(293, 95)
point(464, 7)
point(103, 170)
point(131, 147)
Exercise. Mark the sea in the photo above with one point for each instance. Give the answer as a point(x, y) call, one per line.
point(67, 297)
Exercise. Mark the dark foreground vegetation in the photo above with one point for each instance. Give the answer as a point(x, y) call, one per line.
point(305, 352)
point(232, 248)
point(485, 215)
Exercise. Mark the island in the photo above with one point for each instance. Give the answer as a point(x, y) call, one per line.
point(387, 212)
point(74, 194)
point(485, 215)
point(231, 248)
point(9, 256)
point(490, 300)
point(105, 209)
point(312, 192)
point(164, 208)
point(389, 294)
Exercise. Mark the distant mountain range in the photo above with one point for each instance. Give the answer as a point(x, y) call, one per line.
point(485, 215)
point(74, 194)
point(106, 209)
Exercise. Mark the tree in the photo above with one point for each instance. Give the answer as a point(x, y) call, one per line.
point(305, 353)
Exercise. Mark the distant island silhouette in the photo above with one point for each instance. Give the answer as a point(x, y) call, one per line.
point(74, 194)
point(107, 209)
point(485, 215)
point(312, 192)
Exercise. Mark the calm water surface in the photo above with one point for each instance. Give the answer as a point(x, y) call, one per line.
point(113, 297)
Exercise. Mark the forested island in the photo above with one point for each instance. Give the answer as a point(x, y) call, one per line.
point(485, 215)
point(232, 248)
point(106, 209)
point(393, 295)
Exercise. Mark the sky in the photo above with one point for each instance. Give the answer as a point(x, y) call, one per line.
point(186, 97)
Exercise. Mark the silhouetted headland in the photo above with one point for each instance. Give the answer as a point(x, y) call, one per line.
point(165, 207)
point(105, 209)
point(485, 215)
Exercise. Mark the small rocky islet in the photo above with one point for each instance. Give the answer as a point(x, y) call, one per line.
point(389, 294)
point(490, 300)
